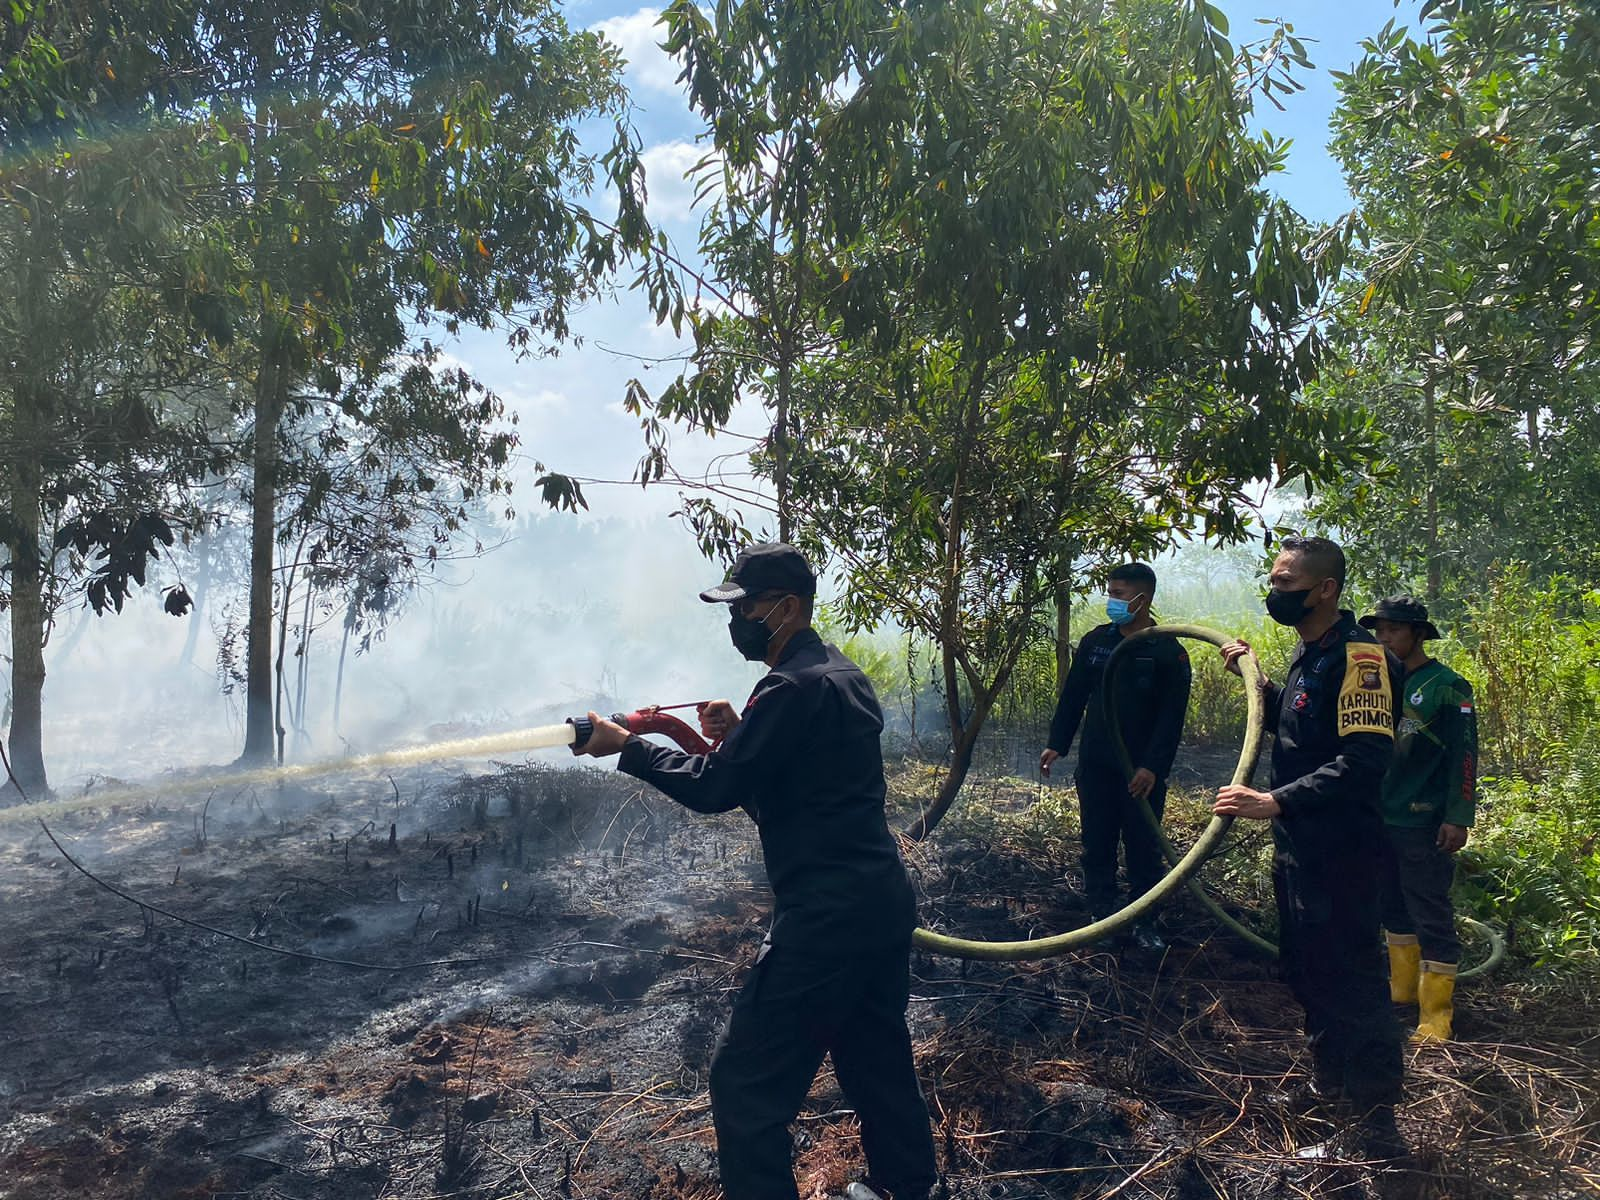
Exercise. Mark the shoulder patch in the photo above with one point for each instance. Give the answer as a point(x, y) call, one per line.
point(1365, 701)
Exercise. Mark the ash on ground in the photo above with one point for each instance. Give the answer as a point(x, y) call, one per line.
point(509, 985)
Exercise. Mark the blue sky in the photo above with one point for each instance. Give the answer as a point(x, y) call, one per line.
point(570, 405)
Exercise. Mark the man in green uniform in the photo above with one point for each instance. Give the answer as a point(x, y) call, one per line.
point(1429, 796)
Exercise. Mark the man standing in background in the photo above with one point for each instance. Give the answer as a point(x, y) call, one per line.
point(1152, 698)
point(1429, 798)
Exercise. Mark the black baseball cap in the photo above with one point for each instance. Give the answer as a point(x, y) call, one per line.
point(764, 567)
point(1402, 608)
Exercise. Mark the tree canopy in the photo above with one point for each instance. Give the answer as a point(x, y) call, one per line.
point(1038, 310)
point(1468, 320)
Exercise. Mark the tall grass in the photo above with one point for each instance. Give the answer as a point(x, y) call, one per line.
point(1532, 653)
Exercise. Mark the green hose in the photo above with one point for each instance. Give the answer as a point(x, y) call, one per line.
point(1145, 905)
point(1119, 656)
point(1200, 633)
point(1184, 872)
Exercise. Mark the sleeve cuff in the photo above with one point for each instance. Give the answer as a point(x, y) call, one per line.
point(634, 758)
point(1283, 797)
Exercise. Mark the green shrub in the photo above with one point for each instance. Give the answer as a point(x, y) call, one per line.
point(1532, 869)
point(1530, 652)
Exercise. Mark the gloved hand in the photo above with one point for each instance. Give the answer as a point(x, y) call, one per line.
point(607, 739)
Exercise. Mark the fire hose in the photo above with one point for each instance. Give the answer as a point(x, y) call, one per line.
point(652, 718)
point(1200, 633)
point(1184, 869)
point(655, 720)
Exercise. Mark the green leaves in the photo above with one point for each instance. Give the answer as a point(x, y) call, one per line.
point(1469, 324)
point(1015, 298)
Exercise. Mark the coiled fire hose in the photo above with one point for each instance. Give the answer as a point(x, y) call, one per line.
point(1182, 868)
point(1200, 633)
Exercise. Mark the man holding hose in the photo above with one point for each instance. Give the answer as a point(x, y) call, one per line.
point(1333, 726)
point(833, 976)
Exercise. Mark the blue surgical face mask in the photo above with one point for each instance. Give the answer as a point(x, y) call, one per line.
point(1118, 611)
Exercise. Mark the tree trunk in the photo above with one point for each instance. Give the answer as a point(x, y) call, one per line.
point(258, 739)
point(794, 264)
point(283, 640)
point(1063, 620)
point(964, 732)
point(1430, 418)
point(198, 606)
point(780, 445)
point(960, 763)
point(338, 679)
point(303, 671)
point(26, 736)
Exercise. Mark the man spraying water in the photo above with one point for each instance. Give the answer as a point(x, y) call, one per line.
point(833, 975)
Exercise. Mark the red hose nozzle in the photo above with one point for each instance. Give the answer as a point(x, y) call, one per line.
point(650, 719)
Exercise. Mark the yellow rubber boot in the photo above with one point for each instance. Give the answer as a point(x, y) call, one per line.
point(1436, 994)
point(1405, 962)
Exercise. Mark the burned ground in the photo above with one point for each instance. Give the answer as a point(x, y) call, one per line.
point(532, 967)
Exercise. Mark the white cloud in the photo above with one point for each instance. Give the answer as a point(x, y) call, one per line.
point(531, 403)
point(665, 168)
point(443, 362)
point(650, 68)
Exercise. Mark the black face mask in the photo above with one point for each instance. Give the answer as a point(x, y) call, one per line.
point(750, 635)
point(1288, 608)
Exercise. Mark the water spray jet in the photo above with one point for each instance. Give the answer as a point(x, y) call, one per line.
point(536, 738)
point(573, 732)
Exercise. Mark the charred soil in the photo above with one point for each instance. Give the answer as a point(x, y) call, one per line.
point(511, 984)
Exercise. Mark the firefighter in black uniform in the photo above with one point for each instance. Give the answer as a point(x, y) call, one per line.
point(1334, 720)
point(833, 976)
point(1152, 697)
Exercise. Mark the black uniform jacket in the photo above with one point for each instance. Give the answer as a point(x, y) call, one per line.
point(806, 764)
point(1334, 721)
point(1152, 697)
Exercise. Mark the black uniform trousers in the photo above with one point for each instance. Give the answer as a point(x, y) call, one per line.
point(1108, 814)
point(1417, 877)
point(1330, 956)
point(794, 1008)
